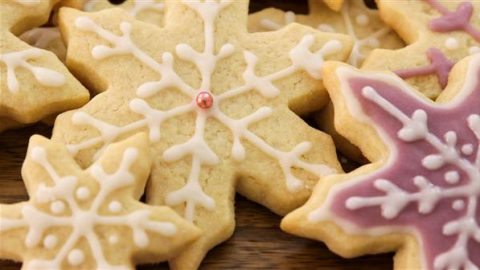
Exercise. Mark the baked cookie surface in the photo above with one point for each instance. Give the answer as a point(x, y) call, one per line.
point(420, 195)
point(218, 104)
point(438, 33)
point(89, 219)
point(34, 84)
point(354, 18)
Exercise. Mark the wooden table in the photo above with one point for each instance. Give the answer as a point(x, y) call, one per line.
point(258, 243)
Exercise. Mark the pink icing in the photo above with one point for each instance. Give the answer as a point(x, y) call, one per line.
point(408, 164)
point(440, 66)
point(458, 20)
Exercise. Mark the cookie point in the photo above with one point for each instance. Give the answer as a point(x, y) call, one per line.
point(204, 100)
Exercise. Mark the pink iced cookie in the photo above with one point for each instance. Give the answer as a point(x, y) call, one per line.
point(420, 196)
point(438, 32)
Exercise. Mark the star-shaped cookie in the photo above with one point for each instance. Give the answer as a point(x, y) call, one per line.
point(34, 84)
point(49, 38)
point(217, 101)
point(438, 33)
point(420, 196)
point(354, 18)
point(89, 219)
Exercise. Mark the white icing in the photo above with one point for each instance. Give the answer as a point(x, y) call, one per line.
point(372, 40)
point(270, 25)
point(82, 221)
point(452, 43)
point(28, 2)
point(326, 28)
point(50, 241)
point(41, 37)
point(113, 239)
point(82, 193)
point(362, 20)
point(43, 76)
point(452, 177)
point(356, 55)
point(474, 50)
point(76, 257)
point(465, 195)
point(467, 149)
point(115, 207)
point(57, 207)
point(458, 205)
point(192, 194)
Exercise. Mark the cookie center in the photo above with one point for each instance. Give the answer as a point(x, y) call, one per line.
point(85, 221)
point(204, 100)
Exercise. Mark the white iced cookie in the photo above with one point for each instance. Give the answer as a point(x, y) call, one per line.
point(79, 219)
point(220, 105)
point(34, 84)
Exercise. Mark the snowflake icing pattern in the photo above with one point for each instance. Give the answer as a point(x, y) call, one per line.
point(432, 180)
point(370, 41)
point(203, 103)
point(66, 197)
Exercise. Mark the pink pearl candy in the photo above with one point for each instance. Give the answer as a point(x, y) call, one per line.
point(204, 100)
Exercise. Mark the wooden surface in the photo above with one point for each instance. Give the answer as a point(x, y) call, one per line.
point(258, 243)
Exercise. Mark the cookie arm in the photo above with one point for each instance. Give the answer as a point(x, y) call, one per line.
point(12, 229)
point(217, 224)
point(309, 49)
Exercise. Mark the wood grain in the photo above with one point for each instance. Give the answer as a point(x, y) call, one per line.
point(258, 243)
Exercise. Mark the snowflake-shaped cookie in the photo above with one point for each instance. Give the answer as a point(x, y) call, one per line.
point(33, 83)
point(89, 219)
point(354, 19)
point(421, 195)
point(217, 103)
point(451, 28)
point(49, 38)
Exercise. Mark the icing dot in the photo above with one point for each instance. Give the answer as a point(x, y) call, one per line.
point(458, 205)
point(57, 207)
point(113, 239)
point(115, 206)
point(204, 100)
point(362, 19)
point(451, 43)
point(50, 241)
point(76, 257)
point(326, 28)
point(474, 50)
point(452, 177)
point(467, 149)
point(83, 193)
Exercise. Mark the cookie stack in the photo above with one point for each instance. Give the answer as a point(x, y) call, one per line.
point(204, 100)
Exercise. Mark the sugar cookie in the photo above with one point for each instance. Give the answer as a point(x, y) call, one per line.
point(420, 196)
point(439, 33)
point(34, 84)
point(79, 219)
point(217, 102)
